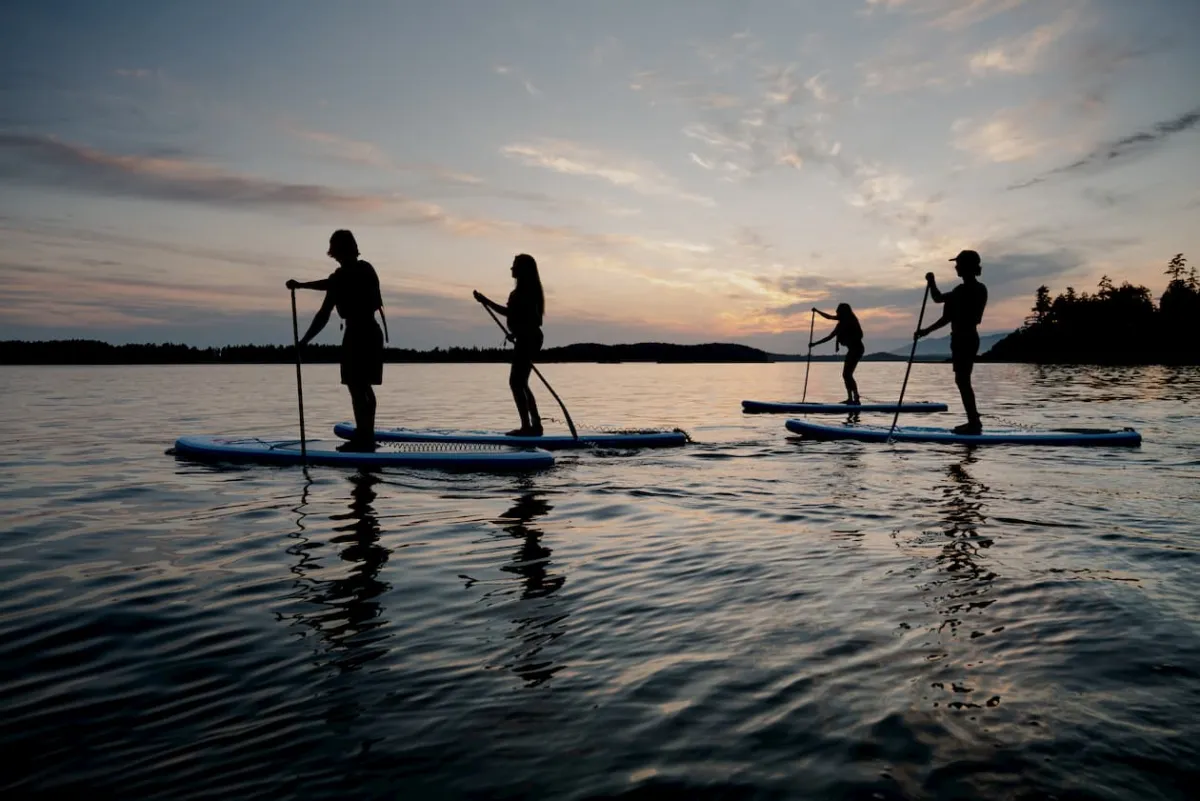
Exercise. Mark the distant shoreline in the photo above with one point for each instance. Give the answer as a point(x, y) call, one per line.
point(95, 352)
point(83, 352)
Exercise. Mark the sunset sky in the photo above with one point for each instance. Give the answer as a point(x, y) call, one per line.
point(682, 170)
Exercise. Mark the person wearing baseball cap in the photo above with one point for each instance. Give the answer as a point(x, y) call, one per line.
point(963, 313)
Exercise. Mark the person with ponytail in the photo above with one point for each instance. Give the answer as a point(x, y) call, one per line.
point(353, 289)
point(849, 335)
point(525, 308)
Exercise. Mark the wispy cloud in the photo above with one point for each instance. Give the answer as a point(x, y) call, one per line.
point(1004, 137)
point(518, 75)
point(1023, 54)
point(1122, 150)
point(342, 148)
point(571, 158)
point(48, 161)
point(952, 15)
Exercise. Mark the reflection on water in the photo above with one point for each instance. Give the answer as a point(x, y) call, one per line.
point(961, 557)
point(347, 609)
point(539, 622)
point(737, 618)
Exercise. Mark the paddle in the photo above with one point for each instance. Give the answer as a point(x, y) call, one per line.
point(299, 385)
point(812, 319)
point(561, 405)
point(907, 370)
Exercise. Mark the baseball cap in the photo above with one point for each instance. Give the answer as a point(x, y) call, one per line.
point(969, 256)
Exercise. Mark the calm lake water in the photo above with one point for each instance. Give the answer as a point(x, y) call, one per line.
point(747, 617)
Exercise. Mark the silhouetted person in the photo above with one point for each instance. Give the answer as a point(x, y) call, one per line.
point(964, 313)
point(526, 305)
point(353, 289)
point(850, 336)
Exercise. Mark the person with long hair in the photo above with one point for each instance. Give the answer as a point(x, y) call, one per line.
point(525, 309)
point(353, 289)
point(964, 312)
point(849, 335)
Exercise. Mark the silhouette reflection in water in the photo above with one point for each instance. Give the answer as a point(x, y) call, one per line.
point(346, 612)
point(539, 621)
point(963, 504)
point(962, 576)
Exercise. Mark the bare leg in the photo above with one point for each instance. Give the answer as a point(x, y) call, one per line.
point(968, 396)
point(848, 377)
point(962, 377)
point(368, 421)
point(518, 382)
point(535, 419)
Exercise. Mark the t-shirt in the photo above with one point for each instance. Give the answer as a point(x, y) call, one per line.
point(964, 305)
point(524, 317)
point(355, 291)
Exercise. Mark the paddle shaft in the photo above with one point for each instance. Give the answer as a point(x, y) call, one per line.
point(911, 356)
point(561, 405)
point(812, 319)
point(299, 383)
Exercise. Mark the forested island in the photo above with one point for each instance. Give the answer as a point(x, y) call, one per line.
point(1116, 325)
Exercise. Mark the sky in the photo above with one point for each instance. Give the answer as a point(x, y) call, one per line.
point(682, 170)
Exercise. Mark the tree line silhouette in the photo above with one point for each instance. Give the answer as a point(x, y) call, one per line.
point(91, 351)
point(1116, 325)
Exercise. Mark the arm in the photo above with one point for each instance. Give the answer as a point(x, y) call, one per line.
point(826, 316)
point(934, 293)
point(385, 331)
point(486, 301)
point(322, 285)
point(823, 341)
point(923, 332)
point(319, 321)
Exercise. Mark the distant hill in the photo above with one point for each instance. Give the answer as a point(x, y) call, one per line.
point(663, 352)
point(939, 347)
point(90, 351)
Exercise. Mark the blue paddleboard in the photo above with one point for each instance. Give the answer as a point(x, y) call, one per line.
point(646, 439)
point(768, 407)
point(447, 456)
point(990, 436)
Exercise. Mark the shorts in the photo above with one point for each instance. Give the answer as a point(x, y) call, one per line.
point(963, 350)
point(362, 354)
point(527, 347)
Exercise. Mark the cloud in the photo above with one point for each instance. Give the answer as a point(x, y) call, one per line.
point(1021, 56)
point(952, 15)
point(570, 158)
point(345, 149)
point(1002, 138)
point(135, 73)
point(520, 76)
point(1122, 150)
point(48, 161)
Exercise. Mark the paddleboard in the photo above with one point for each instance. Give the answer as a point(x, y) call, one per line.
point(768, 407)
point(446, 456)
point(990, 436)
point(550, 442)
